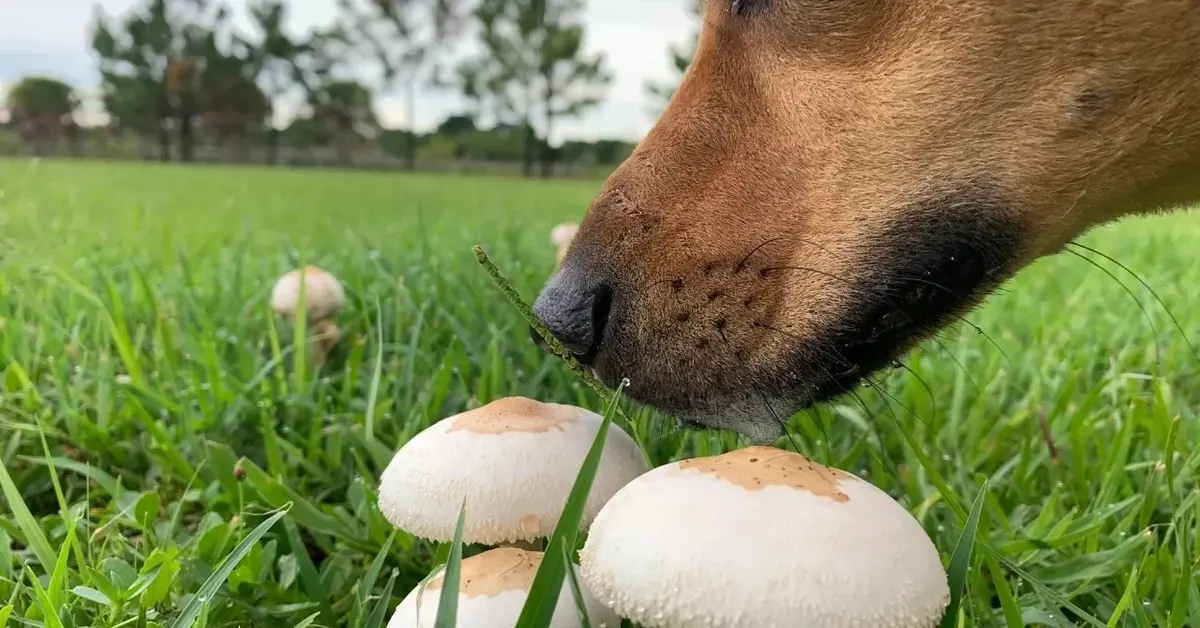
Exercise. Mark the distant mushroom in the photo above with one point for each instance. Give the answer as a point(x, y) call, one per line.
point(562, 235)
point(324, 335)
point(762, 537)
point(513, 462)
point(323, 294)
point(492, 589)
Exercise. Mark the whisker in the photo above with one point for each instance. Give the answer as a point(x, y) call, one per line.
point(666, 430)
point(924, 384)
point(934, 284)
point(825, 433)
point(742, 264)
point(646, 288)
point(883, 391)
point(880, 455)
point(782, 423)
point(1141, 306)
point(1171, 315)
point(963, 319)
point(899, 309)
point(887, 461)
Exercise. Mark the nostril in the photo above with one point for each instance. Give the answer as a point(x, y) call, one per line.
point(577, 315)
point(601, 308)
point(581, 345)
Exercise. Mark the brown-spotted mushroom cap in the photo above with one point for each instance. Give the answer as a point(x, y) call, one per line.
point(514, 462)
point(492, 588)
point(323, 294)
point(762, 537)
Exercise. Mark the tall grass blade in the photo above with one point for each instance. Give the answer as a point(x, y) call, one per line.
point(191, 611)
point(447, 615)
point(548, 582)
point(960, 559)
point(34, 537)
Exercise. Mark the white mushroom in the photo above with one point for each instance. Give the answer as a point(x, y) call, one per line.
point(492, 589)
point(324, 335)
point(562, 235)
point(323, 294)
point(513, 462)
point(762, 537)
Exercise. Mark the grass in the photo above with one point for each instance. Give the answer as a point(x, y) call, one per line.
point(160, 454)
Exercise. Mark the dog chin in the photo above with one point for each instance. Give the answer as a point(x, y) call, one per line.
point(760, 419)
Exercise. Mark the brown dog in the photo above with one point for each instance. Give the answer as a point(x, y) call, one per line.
point(834, 181)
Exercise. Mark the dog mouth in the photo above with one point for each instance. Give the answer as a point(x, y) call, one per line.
point(920, 288)
point(895, 312)
point(903, 311)
point(916, 275)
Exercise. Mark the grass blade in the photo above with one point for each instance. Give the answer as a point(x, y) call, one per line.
point(310, 578)
point(378, 616)
point(547, 583)
point(191, 611)
point(576, 592)
point(1008, 602)
point(376, 377)
point(960, 560)
point(34, 536)
point(447, 615)
point(368, 580)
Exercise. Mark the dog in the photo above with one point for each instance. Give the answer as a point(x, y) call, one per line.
point(833, 182)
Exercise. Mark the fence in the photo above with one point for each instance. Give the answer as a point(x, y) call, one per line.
point(95, 144)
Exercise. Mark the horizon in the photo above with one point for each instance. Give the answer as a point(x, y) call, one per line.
point(636, 50)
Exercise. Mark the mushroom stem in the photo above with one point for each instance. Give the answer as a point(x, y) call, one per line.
point(325, 334)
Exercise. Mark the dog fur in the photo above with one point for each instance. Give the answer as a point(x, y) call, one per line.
point(835, 181)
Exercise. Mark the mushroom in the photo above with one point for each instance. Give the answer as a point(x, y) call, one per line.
point(492, 590)
point(513, 462)
point(562, 235)
point(323, 294)
point(325, 334)
point(797, 544)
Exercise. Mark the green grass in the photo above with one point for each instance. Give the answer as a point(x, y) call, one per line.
point(156, 445)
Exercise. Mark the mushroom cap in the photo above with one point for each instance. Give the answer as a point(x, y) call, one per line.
point(762, 537)
point(513, 461)
point(492, 589)
point(323, 294)
point(561, 235)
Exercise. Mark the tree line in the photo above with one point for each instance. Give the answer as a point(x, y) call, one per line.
point(181, 74)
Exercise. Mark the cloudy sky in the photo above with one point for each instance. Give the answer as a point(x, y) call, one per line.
point(51, 37)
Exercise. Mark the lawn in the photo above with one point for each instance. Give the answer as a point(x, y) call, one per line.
point(147, 427)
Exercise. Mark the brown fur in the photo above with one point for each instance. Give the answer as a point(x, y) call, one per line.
point(806, 129)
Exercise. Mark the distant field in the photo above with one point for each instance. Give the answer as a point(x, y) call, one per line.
point(135, 348)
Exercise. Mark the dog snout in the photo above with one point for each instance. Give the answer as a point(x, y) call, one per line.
point(574, 307)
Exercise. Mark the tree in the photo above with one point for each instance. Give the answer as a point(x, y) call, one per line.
point(404, 37)
point(156, 52)
point(41, 109)
point(344, 107)
point(457, 125)
point(276, 58)
point(230, 103)
point(134, 56)
point(534, 69)
point(306, 133)
point(681, 58)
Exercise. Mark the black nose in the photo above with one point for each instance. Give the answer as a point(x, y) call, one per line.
point(575, 310)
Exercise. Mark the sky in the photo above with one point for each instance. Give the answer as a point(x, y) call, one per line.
point(51, 37)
